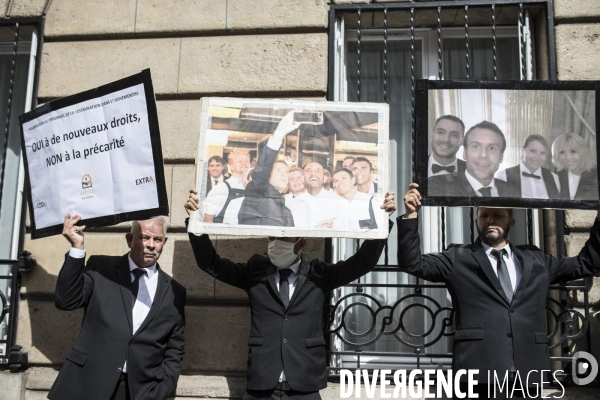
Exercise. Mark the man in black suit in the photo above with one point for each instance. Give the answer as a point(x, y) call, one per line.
point(264, 203)
point(446, 138)
point(498, 289)
point(286, 356)
point(484, 146)
point(131, 340)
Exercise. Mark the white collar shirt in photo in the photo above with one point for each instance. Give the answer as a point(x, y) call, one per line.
point(532, 188)
point(573, 184)
point(371, 188)
point(476, 185)
point(442, 172)
point(292, 280)
point(215, 182)
point(145, 297)
point(217, 197)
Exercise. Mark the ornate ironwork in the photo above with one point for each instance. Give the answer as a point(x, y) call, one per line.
point(569, 324)
point(494, 49)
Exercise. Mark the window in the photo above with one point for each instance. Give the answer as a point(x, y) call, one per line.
point(17, 73)
point(386, 319)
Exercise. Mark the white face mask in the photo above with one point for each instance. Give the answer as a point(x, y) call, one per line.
point(282, 253)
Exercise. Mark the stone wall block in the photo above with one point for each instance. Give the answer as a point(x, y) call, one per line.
point(179, 129)
point(180, 16)
point(50, 255)
point(580, 219)
point(578, 51)
point(574, 243)
point(68, 18)
point(218, 338)
point(72, 67)
point(178, 261)
point(269, 14)
point(247, 64)
point(184, 179)
point(27, 8)
point(45, 332)
point(576, 9)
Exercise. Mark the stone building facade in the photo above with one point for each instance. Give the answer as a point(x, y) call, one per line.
point(195, 48)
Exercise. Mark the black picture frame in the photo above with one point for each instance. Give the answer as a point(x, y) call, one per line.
point(422, 144)
point(144, 77)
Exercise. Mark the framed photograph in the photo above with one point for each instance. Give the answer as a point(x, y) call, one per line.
point(292, 168)
point(97, 154)
point(524, 144)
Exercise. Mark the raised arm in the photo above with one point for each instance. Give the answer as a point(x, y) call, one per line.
point(431, 267)
point(364, 260)
point(74, 286)
point(587, 263)
point(206, 256)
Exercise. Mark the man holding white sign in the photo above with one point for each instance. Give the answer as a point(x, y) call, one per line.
point(287, 292)
point(131, 340)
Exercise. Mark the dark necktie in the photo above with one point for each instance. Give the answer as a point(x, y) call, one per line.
point(435, 168)
point(503, 273)
point(284, 286)
point(486, 191)
point(534, 176)
point(216, 182)
point(135, 285)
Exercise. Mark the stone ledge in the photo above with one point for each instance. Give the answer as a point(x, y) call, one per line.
point(39, 380)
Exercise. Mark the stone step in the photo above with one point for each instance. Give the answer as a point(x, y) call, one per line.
point(36, 383)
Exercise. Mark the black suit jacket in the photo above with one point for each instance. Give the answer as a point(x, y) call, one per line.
point(513, 178)
point(154, 354)
point(457, 185)
point(286, 339)
point(587, 188)
point(263, 204)
point(489, 330)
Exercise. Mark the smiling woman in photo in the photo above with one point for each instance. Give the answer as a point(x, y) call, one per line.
point(576, 168)
point(530, 179)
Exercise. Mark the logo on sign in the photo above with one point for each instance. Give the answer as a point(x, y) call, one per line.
point(86, 181)
point(87, 191)
point(146, 179)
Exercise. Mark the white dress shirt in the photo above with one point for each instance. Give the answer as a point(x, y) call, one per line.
point(442, 172)
point(146, 291)
point(215, 182)
point(217, 197)
point(573, 184)
point(515, 269)
point(292, 280)
point(531, 188)
point(476, 185)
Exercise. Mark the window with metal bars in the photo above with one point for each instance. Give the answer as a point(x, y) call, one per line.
point(389, 319)
point(19, 46)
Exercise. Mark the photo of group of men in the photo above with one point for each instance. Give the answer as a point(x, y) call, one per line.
point(483, 160)
point(305, 169)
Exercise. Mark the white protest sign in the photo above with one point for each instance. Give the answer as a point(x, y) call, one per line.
point(95, 157)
